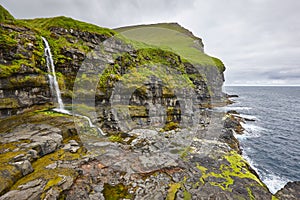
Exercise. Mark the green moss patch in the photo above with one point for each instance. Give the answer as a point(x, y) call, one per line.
point(237, 167)
point(6, 103)
point(7, 71)
point(173, 190)
point(116, 192)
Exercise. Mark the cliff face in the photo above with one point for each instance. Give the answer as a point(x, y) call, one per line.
point(162, 142)
point(24, 73)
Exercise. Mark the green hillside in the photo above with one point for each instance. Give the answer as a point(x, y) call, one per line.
point(171, 36)
point(67, 23)
point(5, 15)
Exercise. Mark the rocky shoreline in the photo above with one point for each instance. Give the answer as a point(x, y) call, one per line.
point(43, 157)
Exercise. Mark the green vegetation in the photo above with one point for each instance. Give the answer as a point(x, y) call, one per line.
point(274, 198)
point(116, 138)
point(52, 176)
point(7, 71)
point(173, 190)
point(149, 62)
point(32, 81)
point(170, 126)
point(5, 15)
point(250, 194)
point(68, 23)
point(174, 38)
point(116, 192)
point(237, 168)
point(8, 103)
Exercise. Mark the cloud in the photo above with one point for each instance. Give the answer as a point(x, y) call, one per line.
point(256, 39)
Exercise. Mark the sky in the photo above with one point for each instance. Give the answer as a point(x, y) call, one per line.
point(258, 40)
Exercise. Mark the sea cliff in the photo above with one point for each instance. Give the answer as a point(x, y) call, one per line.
point(151, 98)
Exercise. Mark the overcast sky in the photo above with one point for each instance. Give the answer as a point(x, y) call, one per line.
point(258, 40)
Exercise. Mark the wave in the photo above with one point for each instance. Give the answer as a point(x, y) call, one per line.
point(272, 181)
point(250, 117)
point(228, 108)
point(251, 131)
point(238, 108)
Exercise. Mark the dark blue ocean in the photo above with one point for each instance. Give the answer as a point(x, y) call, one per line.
point(272, 142)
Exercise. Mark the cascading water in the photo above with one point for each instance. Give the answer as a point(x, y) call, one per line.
point(52, 76)
point(54, 87)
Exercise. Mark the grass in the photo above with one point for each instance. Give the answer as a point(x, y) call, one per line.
point(68, 23)
point(174, 38)
point(5, 15)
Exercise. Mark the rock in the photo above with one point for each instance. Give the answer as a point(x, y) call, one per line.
point(291, 191)
point(52, 194)
point(232, 95)
point(24, 166)
point(72, 146)
point(32, 190)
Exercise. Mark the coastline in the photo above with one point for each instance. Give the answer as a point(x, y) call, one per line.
point(280, 188)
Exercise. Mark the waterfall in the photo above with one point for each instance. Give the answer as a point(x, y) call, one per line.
point(52, 76)
point(54, 87)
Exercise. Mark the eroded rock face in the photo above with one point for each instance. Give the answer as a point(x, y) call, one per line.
point(290, 191)
point(21, 83)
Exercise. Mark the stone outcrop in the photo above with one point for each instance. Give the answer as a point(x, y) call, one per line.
point(290, 191)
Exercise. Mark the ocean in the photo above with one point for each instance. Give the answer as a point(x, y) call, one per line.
point(271, 143)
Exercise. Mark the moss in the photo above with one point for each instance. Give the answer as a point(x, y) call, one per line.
point(203, 171)
point(28, 81)
point(170, 126)
point(52, 176)
point(148, 62)
point(173, 190)
point(237, 167)
point(51, 113)
point(116, 192)
point(186, 195)
point(137, 111)
point(9, 103)
point(53, 182)
point(184, 152)
point(116, 138)
point(251, 197)
point(8, 40)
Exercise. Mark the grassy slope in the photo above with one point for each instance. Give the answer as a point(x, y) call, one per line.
point(67, 23)
point(171, 36)
point(5, 15)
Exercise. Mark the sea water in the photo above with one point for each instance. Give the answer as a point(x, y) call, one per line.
point(271, 143)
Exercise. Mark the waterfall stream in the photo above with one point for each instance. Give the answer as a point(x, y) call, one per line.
point(54, 87)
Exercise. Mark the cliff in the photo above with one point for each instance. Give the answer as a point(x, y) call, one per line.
point(150, 96)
